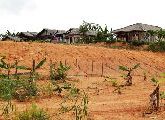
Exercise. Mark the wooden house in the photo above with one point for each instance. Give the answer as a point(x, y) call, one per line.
point(59, 36)
point(12, 38)
point(72, 35)
point(53, 35)
point(134, 32)
point(27, 35)
point(46, 34)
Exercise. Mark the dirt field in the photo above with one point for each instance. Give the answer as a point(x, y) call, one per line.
point(103, 103)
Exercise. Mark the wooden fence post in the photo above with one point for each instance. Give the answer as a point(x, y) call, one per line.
point(16, 69)
point(102, 72)
point(76, 62)
point(92, 66)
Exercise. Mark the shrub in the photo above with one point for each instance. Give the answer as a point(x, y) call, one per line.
point(137, 43)
point(115, 84)
point(46, 90)
point(7, 89)
point(18, 89)
point(78, 108)
point(6, 93)
point(59, 73)
point(157, 46)
point(24, 90)
point(34, 113)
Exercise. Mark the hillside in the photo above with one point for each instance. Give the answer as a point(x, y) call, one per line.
point(104, 104)
point(111, 58)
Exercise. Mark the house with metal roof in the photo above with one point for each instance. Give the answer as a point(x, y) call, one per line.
point(72, 35)
point(27, 35)
point(52, 34)
point(12, 38)
point(134, 32)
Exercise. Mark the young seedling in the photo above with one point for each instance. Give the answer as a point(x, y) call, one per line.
point(33, 113)
point(33, 73)
point(155, 81)
point(145, 76)
point(129, 71)
point(115, 84)
point(59, 73)
point(79, 108)
point(7, 66)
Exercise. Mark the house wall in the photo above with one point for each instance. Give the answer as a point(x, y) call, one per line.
point(72, 39)
point(133, 35)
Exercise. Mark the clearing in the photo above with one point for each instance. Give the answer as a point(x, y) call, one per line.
point(88, 64)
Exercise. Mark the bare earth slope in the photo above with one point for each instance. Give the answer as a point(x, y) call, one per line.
point(111, 58)
point(104, 104)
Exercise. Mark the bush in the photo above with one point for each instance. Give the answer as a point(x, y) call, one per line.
point(7, 89)
point(138, 43)
point(25, 90)
point(110, 41)
point(17, 89)
point(157, 46)
point(33, 113)
point(60, 73)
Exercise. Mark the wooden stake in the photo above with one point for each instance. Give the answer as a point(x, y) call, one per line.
point(76, 62)
point(92, 66)
point(102, 70)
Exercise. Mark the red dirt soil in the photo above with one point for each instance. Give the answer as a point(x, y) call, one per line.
point(104, 104)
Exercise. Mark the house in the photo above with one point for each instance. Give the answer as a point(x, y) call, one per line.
point(1, 36)
point(27, 35)
point(72, 35)
point(134, 32)
point(46, 34)
point(52, 35)
point(12, 38)
point(59, 36)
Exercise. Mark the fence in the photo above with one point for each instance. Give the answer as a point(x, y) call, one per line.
point(87, 67)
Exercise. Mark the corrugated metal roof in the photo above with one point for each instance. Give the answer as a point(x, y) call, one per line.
point(137, 27)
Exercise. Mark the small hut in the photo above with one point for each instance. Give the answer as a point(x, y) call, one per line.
point(134, 32)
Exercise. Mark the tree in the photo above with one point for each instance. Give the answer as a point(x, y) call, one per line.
point(151, 35)
point(161, 34)
point(101, 33)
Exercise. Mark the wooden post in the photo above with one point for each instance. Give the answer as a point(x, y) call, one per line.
point(16, 64)
point(157, 95)
point(33, 65)
point(102, 70)
point(60, 62)
point(92, 66)
point(76, 62)
point(16, 69)
point(65, 62)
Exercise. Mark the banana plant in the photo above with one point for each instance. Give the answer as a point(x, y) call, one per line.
point(33, 73)
point(128, 76)
point(58, 74)
point(7, 66)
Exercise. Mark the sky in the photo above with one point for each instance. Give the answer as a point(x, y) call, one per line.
point(34, 15)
